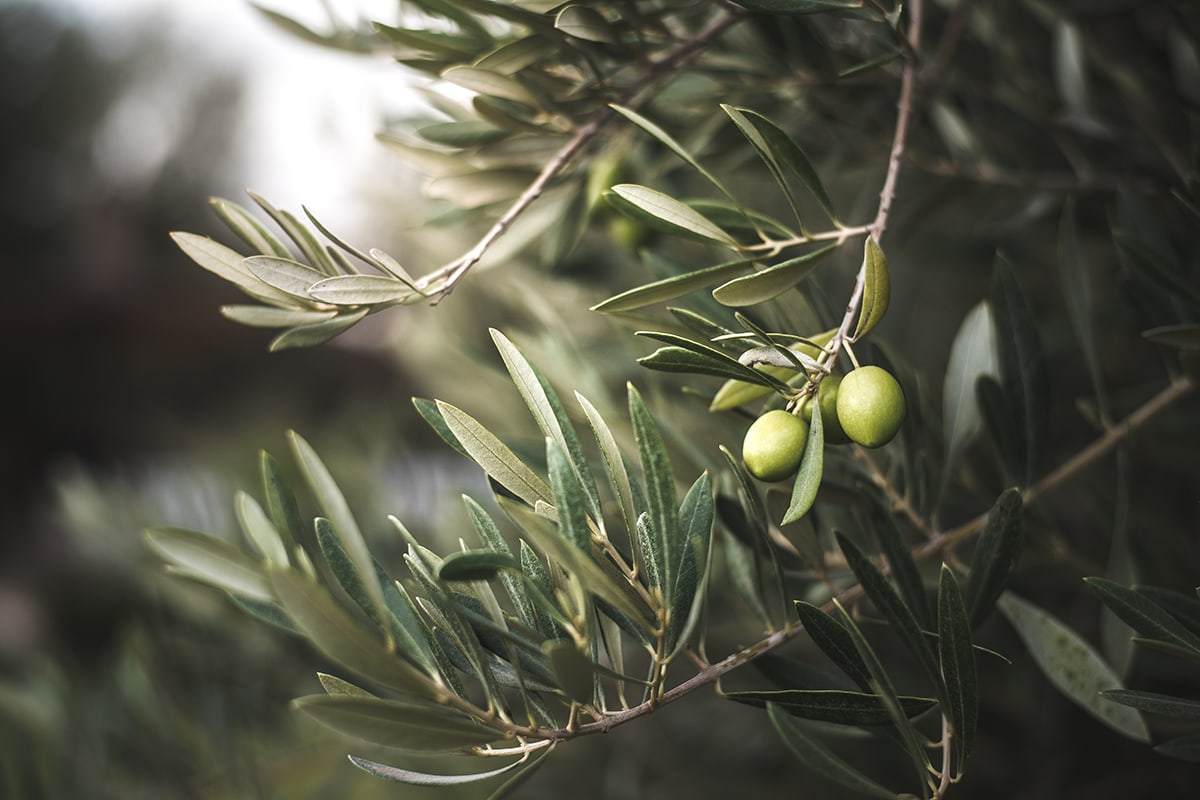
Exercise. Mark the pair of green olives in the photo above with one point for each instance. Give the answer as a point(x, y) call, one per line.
point(865, 407)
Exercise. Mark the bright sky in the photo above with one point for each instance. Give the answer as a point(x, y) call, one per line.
point(311, 112)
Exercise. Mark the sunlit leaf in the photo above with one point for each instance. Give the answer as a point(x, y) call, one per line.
point(808, 477)
point(248, 229)
point(761, 286)
point(317, 333)
point(228, 264)
point(300, 235)
point(354, 290)
point(665, 212)
point(333, 503)
point(877, 288)
point(494, 457)
point(260, 530)
point(585, 23)
point(271, 317)
point(490, 83)
point(1072, 665)
point(215, 562)
point(462, 133)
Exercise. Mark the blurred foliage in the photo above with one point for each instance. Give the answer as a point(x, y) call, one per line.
point(1039, 290)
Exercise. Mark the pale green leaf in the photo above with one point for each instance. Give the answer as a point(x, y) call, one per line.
point(414, 778)
point(409, 727)
point(318, 333)
point(586, 23)
point(260, 530)
point(271, 317)
point(212, 561)
point(808, 477)
point(494, 457)
point(490, 83)
point(1072, 665)
point(669, 213)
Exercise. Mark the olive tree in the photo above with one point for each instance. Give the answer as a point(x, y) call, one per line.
point(943, 252)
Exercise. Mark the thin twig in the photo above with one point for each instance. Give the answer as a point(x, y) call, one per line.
point(443, 280)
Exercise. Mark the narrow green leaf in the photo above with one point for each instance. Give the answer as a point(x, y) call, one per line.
point(1003, 427)
point(877, 289)
point(902, 565)
point(881, 684)
point(1183, 607)
point(765, 152)
point(338, 635)
point(363, 290)
point(957, 658)
point(462, 133)
point(428, 409)
point(835, 642)
point(269, 613)
point(318, 333)
point(568, 497)
point(332, 684)
point(672, 287)
point(212, 561)
point(285, 274)
point(514, 56)
point(574, 670)
point(995, 556)
point(671, 144)
point(260, 530)
point(833, 705)
point(1143, 614)
point(610, 451)
point(715, 361)
point(228, 264)
point(494, 457)
point(333, 504)
point(404, 726)
point(247, 228)
point(271, 317)
point(1184, 748)
point(972, 354)
point(660, 492)
point(1022, 365)
point(761, 286)
point(490, 83)
point(303, 238)
point(667, 213)
point(1181, 337)
point(413, 778)
point(551, 417)
point(1072, 665)
point(808, 477)
point(819, 758)
point(582, 22)
point(281, 501)
point(786, 152)
point(889, 602)
point(696, 514)
point(517, 781)
point(1077, 284)
point(1154, 703)
point(475, 565)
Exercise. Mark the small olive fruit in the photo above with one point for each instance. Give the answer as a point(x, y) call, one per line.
point(774, 445)
point(870, 406)
point(831, 426)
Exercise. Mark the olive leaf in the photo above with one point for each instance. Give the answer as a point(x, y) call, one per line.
point(877, 289)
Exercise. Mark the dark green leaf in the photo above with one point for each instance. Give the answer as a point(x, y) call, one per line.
point(1181, 337)
point(889, 602)
point(667, 543)
point(995, 555)
point(611, 453)
point(568, 498)
point(341, 638)
point(817, 757)
point(410, 727)
point(1143, 614)
point(575, 672)
point(832, 705)
point(835, 642)
point(761, 286)
point(1077, 282)
point(957, 658)
point(1184, 748)
point(696, 523)
point(902, 565)
point(1185, 608)
point(1072, 665)
point(1022, 366)
point(1155, 703)
point(712, 360)
point(475, 565)
point(1001, 422)
point(270, 613)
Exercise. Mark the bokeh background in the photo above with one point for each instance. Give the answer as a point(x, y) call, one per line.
point(128, 401)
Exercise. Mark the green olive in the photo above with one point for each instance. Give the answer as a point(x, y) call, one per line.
point(774, 445)
point(870, 406)
point(827, 394)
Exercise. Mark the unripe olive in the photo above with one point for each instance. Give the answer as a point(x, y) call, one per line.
point(774, 445)
point(831, 427)
point(870, 406)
